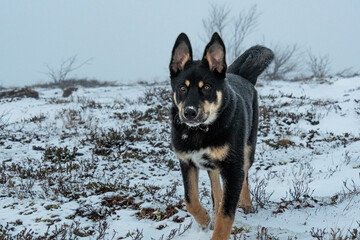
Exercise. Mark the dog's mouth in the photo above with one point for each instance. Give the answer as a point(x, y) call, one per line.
point(196, 125)
point(200, 120)
point(192, 124)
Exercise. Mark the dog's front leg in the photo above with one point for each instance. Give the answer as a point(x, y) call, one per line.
point(226, 214)
point(216, 192)
point(191, 178)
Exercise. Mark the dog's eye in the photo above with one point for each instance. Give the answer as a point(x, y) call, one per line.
point(207, 87)
point(183, 89)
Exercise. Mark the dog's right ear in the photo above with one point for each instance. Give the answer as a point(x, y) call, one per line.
point(181, 54)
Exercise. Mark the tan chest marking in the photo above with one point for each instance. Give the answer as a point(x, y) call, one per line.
point(204, 156)
point(219, 153)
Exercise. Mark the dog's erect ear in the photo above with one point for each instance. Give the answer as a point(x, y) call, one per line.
point(181, 54)
point(214, 54)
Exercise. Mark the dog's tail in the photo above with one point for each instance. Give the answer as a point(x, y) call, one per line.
point(252, 63)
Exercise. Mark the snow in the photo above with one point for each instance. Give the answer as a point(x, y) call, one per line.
point(319, 120)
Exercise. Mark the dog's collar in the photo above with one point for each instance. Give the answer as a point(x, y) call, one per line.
point(204, 128)
point(201, 127)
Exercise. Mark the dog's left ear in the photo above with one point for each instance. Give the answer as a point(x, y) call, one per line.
point(214, 55)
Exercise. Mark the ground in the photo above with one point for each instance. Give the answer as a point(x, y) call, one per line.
point(99, 165)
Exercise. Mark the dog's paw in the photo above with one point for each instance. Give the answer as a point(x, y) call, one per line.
point(212, 225)
point(212, 222)
point(247, 209)
point(204, 221)
point(205, 227)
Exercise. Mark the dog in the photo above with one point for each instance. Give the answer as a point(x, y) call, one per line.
point(214, 121)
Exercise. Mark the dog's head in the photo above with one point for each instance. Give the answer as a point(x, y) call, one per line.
point(198, 85)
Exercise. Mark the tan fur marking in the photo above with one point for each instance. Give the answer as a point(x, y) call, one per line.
point(187, 58)
point(194, 206)
point(219, 153)
point(212, 108)
point(223, 226)
point(245, 199)
point(181, 157)
point(175, 99)
point(178, 105)
point(187, 83)
point(216, 189)
point(201, 84)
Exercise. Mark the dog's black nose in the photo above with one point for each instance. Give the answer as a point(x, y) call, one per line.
point(190, 113)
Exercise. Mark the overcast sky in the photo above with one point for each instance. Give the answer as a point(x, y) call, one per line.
point(132, 40)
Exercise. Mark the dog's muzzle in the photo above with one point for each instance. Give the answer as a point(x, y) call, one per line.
point(191, 117)
point(190, 114)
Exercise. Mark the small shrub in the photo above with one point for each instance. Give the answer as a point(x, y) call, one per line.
point(319, 66)
point(59, 154)
point(259, 194)
point(299, 189)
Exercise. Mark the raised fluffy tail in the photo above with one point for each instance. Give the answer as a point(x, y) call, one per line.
point(252, 63)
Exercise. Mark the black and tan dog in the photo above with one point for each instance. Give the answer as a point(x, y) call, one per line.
point(214, 125)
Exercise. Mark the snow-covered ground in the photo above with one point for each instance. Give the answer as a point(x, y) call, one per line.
point(98, 165)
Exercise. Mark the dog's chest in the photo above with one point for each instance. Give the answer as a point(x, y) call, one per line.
point(205, 158)
point(201, 159)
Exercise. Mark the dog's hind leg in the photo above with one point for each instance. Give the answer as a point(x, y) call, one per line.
point(249, 157)
point(245, 199)
point(190, 175)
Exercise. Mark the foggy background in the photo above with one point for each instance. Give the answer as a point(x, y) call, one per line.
point(128, 41)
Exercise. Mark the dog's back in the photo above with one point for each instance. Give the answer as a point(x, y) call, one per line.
point(241, 77)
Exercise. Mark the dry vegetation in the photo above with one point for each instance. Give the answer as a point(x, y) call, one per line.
point(73, 156)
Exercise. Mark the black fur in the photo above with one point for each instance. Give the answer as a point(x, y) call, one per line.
point(252, 63)
point(236, 120)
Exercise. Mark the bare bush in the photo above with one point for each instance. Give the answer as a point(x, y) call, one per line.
point(102, 229)
point(4, 119)
point(263, 234)
point(300, 189)
point(244, 24)
point(176, 232)
point(138, 235)
point(286, 62)
point(233, 34)
point(318, 233)
point(216, 21)
point(350, 189)
point(259, 194)
point(19, 93)
point(319, 66)
point(67, 66)
point(336, 233)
